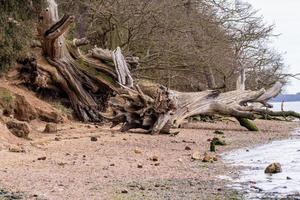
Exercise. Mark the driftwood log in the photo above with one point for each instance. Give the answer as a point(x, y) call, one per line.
point(99, 85)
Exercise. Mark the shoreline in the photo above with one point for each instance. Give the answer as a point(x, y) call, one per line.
point(118, 165)
point(251, 163)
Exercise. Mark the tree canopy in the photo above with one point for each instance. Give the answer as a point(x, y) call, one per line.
point(202, 43)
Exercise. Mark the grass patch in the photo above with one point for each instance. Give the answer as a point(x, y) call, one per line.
point(6, 97)
point(61, 108)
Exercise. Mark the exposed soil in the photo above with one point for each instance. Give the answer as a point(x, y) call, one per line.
point(68, 165)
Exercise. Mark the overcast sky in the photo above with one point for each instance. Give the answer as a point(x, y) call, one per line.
point(285, 14)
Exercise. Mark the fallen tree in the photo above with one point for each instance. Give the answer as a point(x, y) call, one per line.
point(100, 81)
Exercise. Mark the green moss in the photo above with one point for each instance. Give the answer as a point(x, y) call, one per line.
point(6, 97)
point(216, 141)
point(94, 72)
point(103, 76)
point(61, 108)
point(17, 23)
point(247, 124)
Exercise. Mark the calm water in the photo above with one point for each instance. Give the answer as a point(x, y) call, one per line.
point(295, 106)
point(258, 185)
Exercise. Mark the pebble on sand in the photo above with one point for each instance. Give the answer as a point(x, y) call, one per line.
point(16, 149)
point(154, 158)
point(94, 139)
point(137, 151)
point(187, 148)
point(209, 158)
point(42, 158)
point(140, 166)
point(196, 155)
point(124, 191)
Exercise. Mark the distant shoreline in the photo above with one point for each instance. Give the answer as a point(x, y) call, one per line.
point(286, 98)
point(277, 101)
point(286, 105)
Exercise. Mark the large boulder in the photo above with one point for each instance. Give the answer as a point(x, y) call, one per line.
point(23, 111)
point(52, 117)
point(6, 137)
point(19, 129)
point(50, 128)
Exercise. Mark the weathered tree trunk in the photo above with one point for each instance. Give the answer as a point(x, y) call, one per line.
point(101, 79)
point(157, 109)
point(210, 79)
point(86, 80)
point(240, 83)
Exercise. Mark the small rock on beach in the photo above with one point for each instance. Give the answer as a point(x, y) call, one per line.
point(273, 168)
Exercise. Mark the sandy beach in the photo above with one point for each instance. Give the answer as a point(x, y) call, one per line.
point(133, 165)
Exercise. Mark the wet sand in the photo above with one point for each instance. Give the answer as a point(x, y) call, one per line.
point(68, 165)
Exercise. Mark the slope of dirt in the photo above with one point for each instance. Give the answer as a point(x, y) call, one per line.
point(30, 96)
point(33, 105)
point(6, 138)
point(68, 165)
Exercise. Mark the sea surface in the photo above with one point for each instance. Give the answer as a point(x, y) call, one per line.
point(293, 105)
point(253, 182)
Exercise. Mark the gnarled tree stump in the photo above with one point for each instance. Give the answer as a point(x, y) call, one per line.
point(101, 79)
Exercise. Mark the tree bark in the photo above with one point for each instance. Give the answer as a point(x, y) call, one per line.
point(157, 109)
point(210, 79)
point(240, 83)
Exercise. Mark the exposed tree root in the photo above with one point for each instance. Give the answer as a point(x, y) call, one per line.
point(101, 79)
